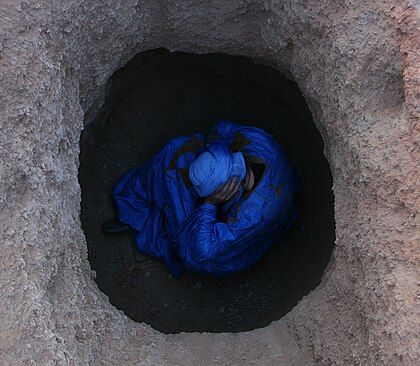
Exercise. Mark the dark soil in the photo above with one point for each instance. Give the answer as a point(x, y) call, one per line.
point(160, 95)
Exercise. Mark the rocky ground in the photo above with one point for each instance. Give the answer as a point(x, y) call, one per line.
point(357, 65)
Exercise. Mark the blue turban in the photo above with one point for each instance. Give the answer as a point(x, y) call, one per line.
point(215, 167)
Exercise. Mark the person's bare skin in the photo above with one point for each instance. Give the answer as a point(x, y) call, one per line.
point(228, 191)
point(249, 180)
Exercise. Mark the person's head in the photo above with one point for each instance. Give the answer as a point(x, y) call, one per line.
point(215, 167)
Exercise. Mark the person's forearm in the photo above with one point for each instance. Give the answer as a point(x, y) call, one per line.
point(205, 237)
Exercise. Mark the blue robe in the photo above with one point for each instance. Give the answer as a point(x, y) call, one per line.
point(172, 222)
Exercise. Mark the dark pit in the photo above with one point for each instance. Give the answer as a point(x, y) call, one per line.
point(160, 95)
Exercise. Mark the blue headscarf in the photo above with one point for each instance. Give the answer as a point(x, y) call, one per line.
point(215, 167)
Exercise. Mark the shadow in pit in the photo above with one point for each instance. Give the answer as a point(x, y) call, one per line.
point(160, 95)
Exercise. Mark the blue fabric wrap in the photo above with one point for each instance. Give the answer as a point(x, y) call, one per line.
point(215, 167)
point(171, 221)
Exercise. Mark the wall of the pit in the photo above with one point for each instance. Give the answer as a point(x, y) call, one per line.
point(56, 58)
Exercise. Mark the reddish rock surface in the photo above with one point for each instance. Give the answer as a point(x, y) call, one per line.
point(356, 64)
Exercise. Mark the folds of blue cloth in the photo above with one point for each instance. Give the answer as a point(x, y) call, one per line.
point(162, 201)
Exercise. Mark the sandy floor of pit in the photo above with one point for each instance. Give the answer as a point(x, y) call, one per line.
point(176, 94)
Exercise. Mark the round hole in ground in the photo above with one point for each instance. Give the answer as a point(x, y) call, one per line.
point(160, 95)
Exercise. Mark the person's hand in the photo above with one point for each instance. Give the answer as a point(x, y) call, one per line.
point(226, 192)
point(248, 182)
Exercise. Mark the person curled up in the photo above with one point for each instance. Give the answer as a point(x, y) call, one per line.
point(209, 205)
